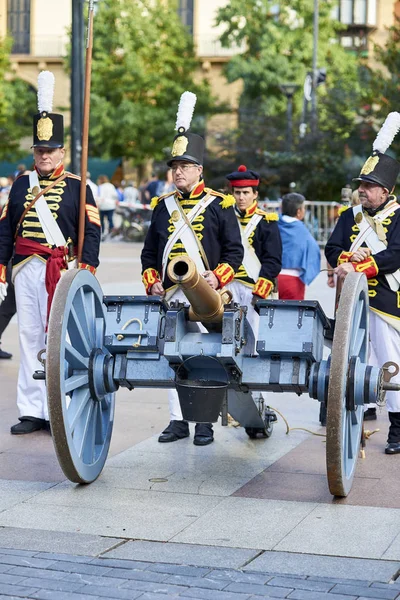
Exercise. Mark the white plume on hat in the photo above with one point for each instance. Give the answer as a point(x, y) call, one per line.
point(387, 132)
point(45, 91)
point(185, 110)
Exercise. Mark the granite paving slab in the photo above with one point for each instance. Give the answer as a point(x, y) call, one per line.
point(15, 492)
point(311, 565)
point(246, 523)
point(393, 551)
point(356, 531)
point(43, 540)
point(186, 554)
point(230, 443)
point(300, 475)
point(126, 513)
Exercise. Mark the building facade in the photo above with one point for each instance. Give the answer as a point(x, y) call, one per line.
point(41, 30)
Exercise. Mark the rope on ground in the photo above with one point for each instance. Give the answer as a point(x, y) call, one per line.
point(368, 433)
point(288, 428)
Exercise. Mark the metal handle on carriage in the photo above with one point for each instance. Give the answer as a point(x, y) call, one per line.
point(120, 336)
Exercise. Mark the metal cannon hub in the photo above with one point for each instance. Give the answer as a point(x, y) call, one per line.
point(100, 372)
point(97, 343)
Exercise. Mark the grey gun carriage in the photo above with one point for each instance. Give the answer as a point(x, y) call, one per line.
point(97, 344)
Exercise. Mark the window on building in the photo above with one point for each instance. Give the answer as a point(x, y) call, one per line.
point(185, 12)
point(19, 25)
point(357, 12)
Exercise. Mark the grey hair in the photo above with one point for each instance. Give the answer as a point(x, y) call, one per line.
point(291, 203)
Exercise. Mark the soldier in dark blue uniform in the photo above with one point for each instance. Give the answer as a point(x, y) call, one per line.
point(261, 239)
point(367, 239)
point(212, 240)
point(37, 260)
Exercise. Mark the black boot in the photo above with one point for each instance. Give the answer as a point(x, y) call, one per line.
point(370, 414)
point(203, 434)
point(4, 354)
point(176, 430)
point(393, 445)
point(28, 425)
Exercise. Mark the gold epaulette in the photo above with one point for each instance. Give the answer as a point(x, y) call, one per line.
point(227, 200)
point(272, 216)
point(156, 199)
point(73, 176)
point(342, 209)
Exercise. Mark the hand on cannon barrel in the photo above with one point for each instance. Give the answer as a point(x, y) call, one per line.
point(211, 279)
point(3, 291)
point(157, 289)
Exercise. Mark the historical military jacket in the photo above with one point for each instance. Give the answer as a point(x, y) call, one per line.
point(63, 201)
point(382, 299)
point(266, 241)
point(216, 227)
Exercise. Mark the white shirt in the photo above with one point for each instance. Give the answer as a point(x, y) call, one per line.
point(107, 198)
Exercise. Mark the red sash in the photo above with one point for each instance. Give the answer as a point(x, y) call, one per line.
point(55, 263)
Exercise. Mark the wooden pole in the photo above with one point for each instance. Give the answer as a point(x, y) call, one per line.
point(85, 130)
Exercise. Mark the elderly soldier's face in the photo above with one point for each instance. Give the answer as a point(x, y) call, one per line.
point(47, 159)
point(244, 197)
point(185, 175)
point(371, 194)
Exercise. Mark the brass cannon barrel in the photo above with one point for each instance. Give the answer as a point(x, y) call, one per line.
point(206, 304)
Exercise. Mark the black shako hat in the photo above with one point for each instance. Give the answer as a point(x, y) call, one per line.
point(243, 177)
point(187, 146)
point(48, 127)
point(381, 168)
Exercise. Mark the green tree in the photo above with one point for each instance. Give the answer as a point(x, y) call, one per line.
point(143, 59)
point(383, 84)
point(17, 105)
point(277, 41)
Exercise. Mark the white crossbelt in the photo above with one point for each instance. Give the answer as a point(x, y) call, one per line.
point(53, 233)
point(51, 229)
point(370, 237)
point(184, 232)
point(250, 259)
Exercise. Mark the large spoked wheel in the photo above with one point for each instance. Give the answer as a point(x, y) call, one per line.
point(344, 426)
point(81, 410)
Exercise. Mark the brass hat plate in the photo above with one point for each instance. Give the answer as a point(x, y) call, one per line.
point(369, 165)
point(44, 128)
point(180, 145)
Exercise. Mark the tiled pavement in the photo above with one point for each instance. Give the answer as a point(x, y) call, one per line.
point(300, 475)
point(46, 576)
point(236, 520)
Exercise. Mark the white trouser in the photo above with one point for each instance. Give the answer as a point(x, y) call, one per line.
point(31, 300)
point(174, 405)
point(384, 347)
